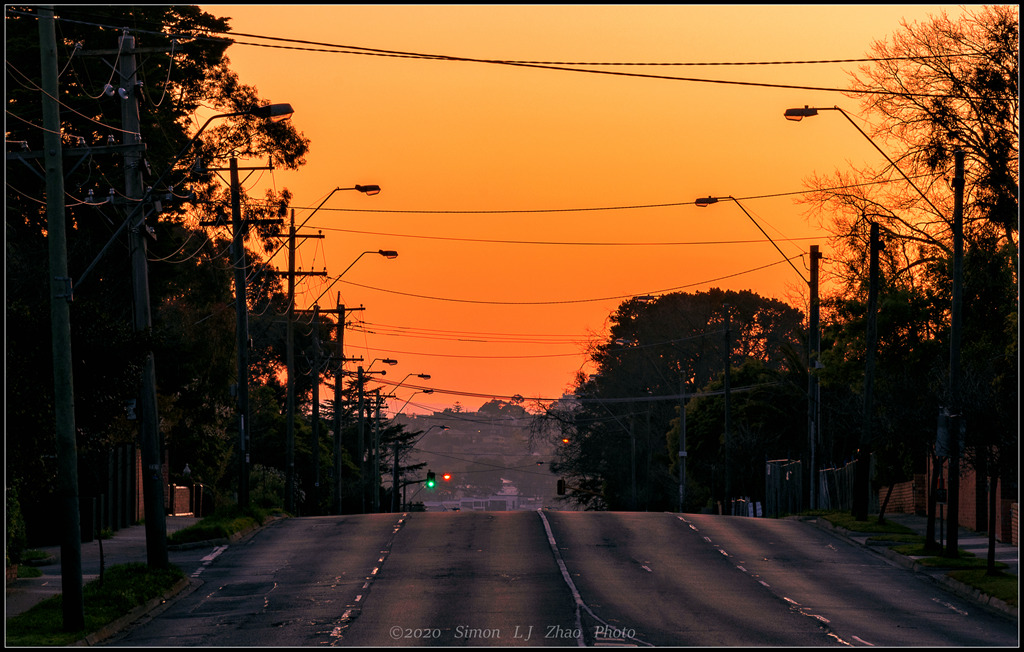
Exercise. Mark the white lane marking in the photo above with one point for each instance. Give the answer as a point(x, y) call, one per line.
point(572, 586)
point(208, 559)
point(949, 606)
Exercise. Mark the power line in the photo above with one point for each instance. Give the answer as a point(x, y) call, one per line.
point(558, 243)
point(580, 209)
point(563, 301)
point(567, 67)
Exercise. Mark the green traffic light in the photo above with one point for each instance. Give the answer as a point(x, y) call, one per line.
point(431, 481)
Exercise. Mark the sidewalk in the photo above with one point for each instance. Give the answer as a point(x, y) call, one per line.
point(975, 543)
point(126, 546)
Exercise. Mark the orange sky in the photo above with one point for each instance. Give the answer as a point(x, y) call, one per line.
point(503, 274)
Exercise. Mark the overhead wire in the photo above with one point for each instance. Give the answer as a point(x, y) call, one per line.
point(562, 301)
point(307, 45)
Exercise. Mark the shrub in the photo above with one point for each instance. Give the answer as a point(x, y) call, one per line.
point(17, 538)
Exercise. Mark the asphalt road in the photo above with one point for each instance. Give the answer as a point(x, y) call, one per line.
point(558, 579)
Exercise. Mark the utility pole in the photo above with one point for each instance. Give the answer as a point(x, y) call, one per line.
point(289, 491)
point(338, 410)
point(73, 609)
point(362, 443)
point(394, 481)
point(682, 443)
point(239, 228)
point(149, 419)
point(862, 472)
point(376, 453)
point(728, 436)
point(956, 316)
point(813, 348)
point(316, 409)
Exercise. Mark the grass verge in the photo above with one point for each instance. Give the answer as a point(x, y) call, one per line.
point(966, 568)
point(1002, 586)
point(123, 588)
point(220, 525)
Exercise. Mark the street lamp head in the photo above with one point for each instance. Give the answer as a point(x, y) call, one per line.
point(368, 190)
point(273, 112)
point(706, 201)
point(389, 361)
point(387, 253)
point(796, 115)
point(423, 376)
point(426, 391)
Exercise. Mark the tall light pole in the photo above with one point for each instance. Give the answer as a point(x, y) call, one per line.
point(274, 113)
point(135, 222)
point(813, 340)
point(360, 375)
point(394, 467)
point(956, 225)
point(289, 348)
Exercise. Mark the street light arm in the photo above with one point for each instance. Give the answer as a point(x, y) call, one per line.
point(707, 201)
point(389, 254)
point(797, 114)
point(367, 190)
point(742, 208)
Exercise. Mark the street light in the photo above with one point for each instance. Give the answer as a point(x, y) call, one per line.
point(422, 435)
point(369, 190)
point(796, 115)
point(704, 202)
point(813, 318)
point(394, 468)
point(390, 254)
point(956, 225)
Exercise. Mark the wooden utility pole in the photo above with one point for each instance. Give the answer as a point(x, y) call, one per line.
point(149, 414)
point(862, 472)
point(955, 408)
point(728, 434)
point(289, 492)
point(239, 228)
point(316, 409)
point(338, 409)
point(813, 346)
point(72, 603)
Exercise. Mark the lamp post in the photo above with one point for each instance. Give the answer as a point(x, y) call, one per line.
point(813, 339)
point(360, 375)
point(798, 114)
point(405, 502)
point(275, 113)
point(134, 222)
point(394, 469)
point(289, 345)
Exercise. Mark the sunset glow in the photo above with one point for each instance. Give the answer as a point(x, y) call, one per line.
point(533, 185)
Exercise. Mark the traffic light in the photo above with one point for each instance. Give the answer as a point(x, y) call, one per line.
point(446, 477)
point(561, 487)
point(431, 480)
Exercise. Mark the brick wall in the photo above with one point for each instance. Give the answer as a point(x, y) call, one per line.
point(1014, 525)
point(907, 497)
point(911, 497)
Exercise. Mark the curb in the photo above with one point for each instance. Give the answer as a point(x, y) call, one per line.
point(936, 575)
point(112, 628)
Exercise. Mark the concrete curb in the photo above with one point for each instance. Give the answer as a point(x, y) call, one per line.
point(112, 628)
point(938, 576)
